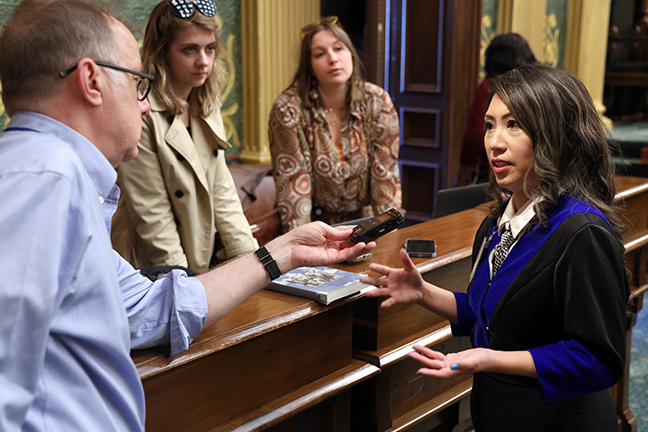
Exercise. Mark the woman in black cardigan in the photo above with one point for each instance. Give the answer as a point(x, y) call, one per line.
point(546, 303)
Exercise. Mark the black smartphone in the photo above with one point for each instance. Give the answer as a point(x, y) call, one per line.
point(420, 248)
point(377, 226)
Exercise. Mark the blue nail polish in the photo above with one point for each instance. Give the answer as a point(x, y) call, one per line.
point(455, 366)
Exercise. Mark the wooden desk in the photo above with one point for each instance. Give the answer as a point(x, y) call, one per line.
point(282, 363)
point(273, 358)
point(633, 195)
point(399, 398)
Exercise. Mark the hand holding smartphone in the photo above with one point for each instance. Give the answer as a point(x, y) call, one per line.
point(420, 248)
point(376, 226)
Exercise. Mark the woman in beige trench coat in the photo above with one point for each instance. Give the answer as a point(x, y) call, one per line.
point(178, 192)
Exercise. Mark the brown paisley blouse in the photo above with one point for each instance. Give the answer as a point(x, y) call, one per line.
point(317, 179)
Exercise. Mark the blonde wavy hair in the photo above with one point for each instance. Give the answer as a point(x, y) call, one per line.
point(160, 31)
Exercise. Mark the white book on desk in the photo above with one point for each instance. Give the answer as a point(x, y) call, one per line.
point(322, 284)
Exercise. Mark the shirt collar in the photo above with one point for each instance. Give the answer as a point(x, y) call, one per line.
point(517, 220)
point(102, 174)
point(355, 110)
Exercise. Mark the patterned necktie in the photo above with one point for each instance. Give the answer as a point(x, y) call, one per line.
point(502, 248)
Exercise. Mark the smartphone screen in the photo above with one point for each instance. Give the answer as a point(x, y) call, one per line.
point(421, 248)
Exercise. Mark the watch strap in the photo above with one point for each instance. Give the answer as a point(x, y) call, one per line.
point(268, 262)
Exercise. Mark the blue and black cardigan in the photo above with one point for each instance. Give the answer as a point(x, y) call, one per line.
point(561, 294)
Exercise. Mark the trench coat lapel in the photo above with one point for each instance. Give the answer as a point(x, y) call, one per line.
point(215, 125)
point(177, 137)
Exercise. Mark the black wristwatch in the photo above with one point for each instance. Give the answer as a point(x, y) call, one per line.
point(268, 262)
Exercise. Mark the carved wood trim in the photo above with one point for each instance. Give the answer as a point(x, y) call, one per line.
point(303, 398)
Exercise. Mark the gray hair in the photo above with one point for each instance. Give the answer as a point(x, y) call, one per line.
point(42, 38)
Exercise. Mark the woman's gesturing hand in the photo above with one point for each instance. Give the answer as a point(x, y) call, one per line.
point(400, 286)
point(439, 365)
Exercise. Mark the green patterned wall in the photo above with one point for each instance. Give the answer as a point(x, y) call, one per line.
point(230, 10)
point(137, 12)
point(554, 38)
point(488, 31)
point(555, 33)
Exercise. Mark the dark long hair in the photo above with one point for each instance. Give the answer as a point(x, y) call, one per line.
point(571, 151)
point(505, 52)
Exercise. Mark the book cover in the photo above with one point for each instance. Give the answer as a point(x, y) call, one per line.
point(322, 284)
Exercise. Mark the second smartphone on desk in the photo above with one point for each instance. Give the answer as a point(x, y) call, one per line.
point(420, 248)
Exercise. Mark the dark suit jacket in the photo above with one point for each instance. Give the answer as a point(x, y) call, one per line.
point(561, 293)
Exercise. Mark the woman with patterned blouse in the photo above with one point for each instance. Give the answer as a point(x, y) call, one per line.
point(334, 138)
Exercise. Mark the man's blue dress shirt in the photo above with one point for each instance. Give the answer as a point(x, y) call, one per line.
point(71, 308)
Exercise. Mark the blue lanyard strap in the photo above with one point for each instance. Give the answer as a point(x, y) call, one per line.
point(20, 129)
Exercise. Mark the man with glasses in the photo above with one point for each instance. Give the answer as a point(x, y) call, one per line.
point(71, 308)
point(143, 83)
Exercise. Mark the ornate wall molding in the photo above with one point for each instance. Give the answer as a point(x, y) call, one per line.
point(586, 46)
point(270, 41)
point(522, 16)
point(577, 45)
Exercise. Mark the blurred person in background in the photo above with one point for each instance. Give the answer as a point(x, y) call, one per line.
point(505, 52)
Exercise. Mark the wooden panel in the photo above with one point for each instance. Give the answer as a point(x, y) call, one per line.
point(434, 52)
point(461, 69)
point(421, 156)
point(445, 412)
point(410, 389)
point(419, 184)
point(453, 276)
point(375, 328)
point(210, 390)
point(421, 47)
point(374, 43)
point(312, 406)
point(632, 194)
point(420, 127)
point(398, 397)
point(333, 415)
point(636, 262)
point(635, 213)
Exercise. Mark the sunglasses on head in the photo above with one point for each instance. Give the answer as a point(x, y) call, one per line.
point(327, 21)
point(185, 9)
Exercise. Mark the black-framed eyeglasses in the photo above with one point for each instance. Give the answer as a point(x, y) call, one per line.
point(185, 9)
point(143, 84)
